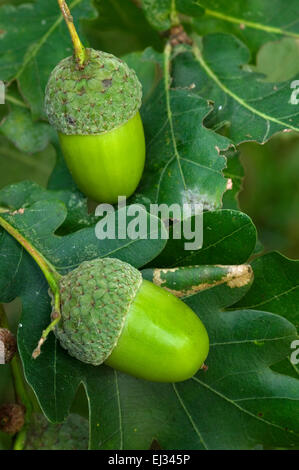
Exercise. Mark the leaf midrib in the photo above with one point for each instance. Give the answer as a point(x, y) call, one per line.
point(199, 57)
point(250, 24)
point(243, 410)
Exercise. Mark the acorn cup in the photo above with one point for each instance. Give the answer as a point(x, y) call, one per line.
point(110, 315)
point(93, 99)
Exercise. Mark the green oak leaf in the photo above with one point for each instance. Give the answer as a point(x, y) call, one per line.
point(244, 103)
point(276, 289)
point(39, 224)
point(27, 136)
point(253, 21)
point(163, 13)
point(229, 237)
point(280, 276)
point(24, 194)
point(183, 163)
point(44, 41)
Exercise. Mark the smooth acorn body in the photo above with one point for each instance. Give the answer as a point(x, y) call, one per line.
point(107, 165)
point(95, 110)
point(111, 315)
point(162, 340)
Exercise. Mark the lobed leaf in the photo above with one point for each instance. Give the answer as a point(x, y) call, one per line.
point(244, 103)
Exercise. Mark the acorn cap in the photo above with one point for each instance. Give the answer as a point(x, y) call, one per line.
point(97, 99)
point(95, 299)
point(72, 434)
point(12, 418)
point(9, 344)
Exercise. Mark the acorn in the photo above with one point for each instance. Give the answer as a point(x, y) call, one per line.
point(111, 315)
point(72, 434)
point(93, 98)
point(9, 344)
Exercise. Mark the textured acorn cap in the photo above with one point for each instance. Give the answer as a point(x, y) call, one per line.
point(70, 435)
point(102, 96)
point(9, 342)
point(95, 299)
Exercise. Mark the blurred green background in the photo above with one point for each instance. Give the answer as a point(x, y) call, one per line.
point(271, 191)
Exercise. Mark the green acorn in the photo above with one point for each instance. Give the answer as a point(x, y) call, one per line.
point(93, 100)
point(70, 435)
point(110, 315)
